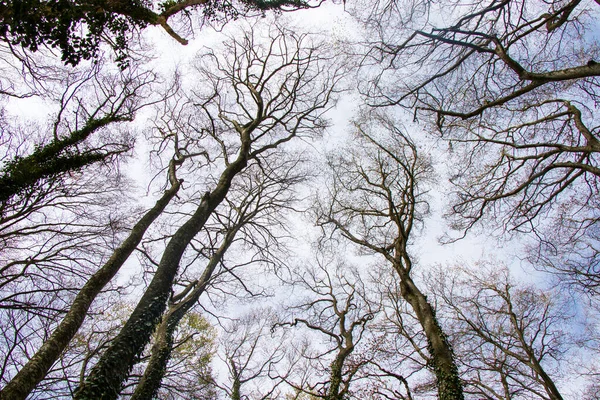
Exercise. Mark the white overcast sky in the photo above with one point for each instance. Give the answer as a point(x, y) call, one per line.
point(332, 20)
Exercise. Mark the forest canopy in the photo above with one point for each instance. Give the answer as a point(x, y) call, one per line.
point(77, 28)
point(291, 199)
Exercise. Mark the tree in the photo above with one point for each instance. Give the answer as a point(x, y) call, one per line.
point(337, 308)
point(187, 373)
point(31, 170)
point(511, 86)
point(251, 349)
point(508, 336)
point(507, 87)
point(398, 348)
point(38, 365)
point(375, 200)
point(50, 233)
point(279, 91)
point(259, 195)
point(574, 260)
point(77, 28)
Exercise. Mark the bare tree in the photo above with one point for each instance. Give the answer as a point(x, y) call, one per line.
point(263, 192)
point(375, 200)
point(337, 308)
point(251, 349)
point(77, 136)
point(38, 365)
point(278, 91)
point(398, 363)
point(188, 371)
point(52, 217)
point(574, 260)
point(509, 337)
point(512, 86)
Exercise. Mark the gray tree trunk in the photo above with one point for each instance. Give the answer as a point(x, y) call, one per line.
point(149, 384)
point(442, 357)
point(106, 379)
point(37, 367)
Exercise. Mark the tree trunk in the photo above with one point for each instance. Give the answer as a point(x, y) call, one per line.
point(442, 357)
point(106, 378)
point(51, 160)
point(161, 353)
point(148, 386)
point(236, 388)
point(336, 375)
point(37, 367)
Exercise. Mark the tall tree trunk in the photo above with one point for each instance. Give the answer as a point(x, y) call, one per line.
point(442, 357)
point(106, 378)
point(163, 347)
point(236, 386)
point(336, 376)
point(161, 353)
point(37, 367)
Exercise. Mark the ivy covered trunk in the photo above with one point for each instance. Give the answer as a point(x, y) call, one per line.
point(37, 367)
point(236, 386)
point(148, 386)
point(106, 378)
point(161, 353)
point(56, 158)
point(336, 375)
point(449, 384)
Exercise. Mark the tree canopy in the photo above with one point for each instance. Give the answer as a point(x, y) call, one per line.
point(77, 28)
point(400, 202)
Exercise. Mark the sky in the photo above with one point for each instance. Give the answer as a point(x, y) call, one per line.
point(333, 21)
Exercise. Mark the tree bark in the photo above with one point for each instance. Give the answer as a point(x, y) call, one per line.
point(52, 159)
point(37, 367)
point(442, 356)
point(106, 379)
point(161, 353)
point(336, 375)
point(149, 384)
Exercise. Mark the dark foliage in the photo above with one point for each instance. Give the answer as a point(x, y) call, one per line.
point(78, 27)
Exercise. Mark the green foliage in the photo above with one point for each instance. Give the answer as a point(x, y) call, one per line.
point(167, 4)
point(52, 160)
point(201, 335)
point(193, 351)
point(77, 27)
point(73, 27)
point(23, 173)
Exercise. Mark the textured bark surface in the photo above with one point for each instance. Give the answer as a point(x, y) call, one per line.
point(161, 353)
point(106, 378)
point(37, 367)
point(149, 384)
point(336, 375)
point(236, 385)
point(55, 158)
point(442, 358)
